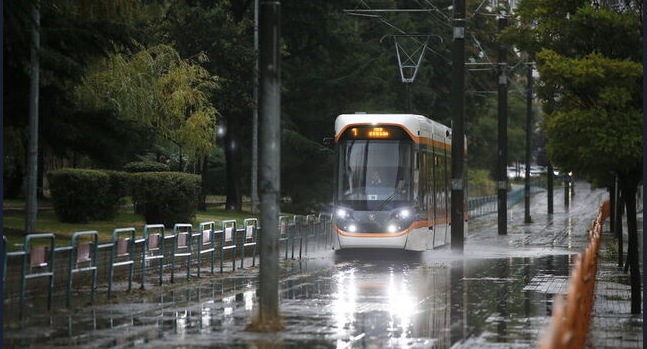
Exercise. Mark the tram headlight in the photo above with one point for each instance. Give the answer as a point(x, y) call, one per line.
point(402, 214)
point(401, 219)
point(343, 213)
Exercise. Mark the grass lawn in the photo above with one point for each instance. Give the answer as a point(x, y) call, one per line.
point(13, 222)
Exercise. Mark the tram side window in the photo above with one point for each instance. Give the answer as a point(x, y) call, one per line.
point(447, 187)
point(429, 163)
point(423, 183)
point(438, 184)
point(416, 178)
point(443, 185)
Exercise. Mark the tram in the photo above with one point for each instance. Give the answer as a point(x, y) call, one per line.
point(392, 182)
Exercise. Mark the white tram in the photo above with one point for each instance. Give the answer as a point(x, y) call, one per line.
point(392, 182)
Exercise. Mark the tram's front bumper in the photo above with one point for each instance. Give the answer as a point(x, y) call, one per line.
point(372, 242)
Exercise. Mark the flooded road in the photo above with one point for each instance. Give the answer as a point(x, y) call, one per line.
point(498, 294)
point(380, 299)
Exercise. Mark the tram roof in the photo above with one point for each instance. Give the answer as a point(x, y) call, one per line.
point(415, 125)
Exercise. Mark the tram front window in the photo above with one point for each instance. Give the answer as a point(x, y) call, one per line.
point(374, 174)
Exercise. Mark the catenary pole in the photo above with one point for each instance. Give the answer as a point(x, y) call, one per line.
point(502, 184)
point(549, 184)
point(32, 148)
point(527, 218)
point(567, 190)
point(458, 121)
point(270, 152)
point(254, 184)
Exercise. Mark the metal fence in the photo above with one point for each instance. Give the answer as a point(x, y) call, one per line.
point(53, 268)
point(153, 253)
point(482, 205)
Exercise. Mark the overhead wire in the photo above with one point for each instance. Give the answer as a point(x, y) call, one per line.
point(403, 32)
point(431, 14)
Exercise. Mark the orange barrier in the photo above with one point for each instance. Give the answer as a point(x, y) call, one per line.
point(571, 318)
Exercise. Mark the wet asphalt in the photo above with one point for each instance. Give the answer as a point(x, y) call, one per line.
point(497, 294)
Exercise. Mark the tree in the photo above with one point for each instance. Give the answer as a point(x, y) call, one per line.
point(482, 134)
point(73, 34)
point(220, 31)
point(589, 59)
point(157, 89)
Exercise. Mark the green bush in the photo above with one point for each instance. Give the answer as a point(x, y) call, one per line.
point(118, 187)
point(166, 197)
point(80, 195)
point(146, 166)
point(480, 183)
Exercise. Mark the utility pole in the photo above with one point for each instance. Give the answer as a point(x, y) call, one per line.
point(566, 190)
point(527, 218)
point(458, 121)
point(32, 150)
point(254, 186)
point(549, 184)
point(270, 164)
point(503, 134)
point(408, 97)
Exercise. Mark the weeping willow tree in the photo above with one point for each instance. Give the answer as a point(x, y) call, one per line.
point(158, 89)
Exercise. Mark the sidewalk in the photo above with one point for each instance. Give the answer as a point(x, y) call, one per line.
point(556, 239)
point(613, 326)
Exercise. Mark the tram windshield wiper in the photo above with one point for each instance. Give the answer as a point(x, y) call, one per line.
point(386, 201)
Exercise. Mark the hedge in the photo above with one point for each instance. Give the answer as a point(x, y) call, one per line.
point(81, 195)
point(146, 166)
point(118, 187)
point(166, 197)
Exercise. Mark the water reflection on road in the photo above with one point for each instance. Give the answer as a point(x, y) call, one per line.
point(368, 299)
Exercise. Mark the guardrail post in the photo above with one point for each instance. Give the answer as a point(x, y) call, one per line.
point(298, 224)
point(250, 229)
point(210, 235)
point(113, 251)
point(24, 275)
point(228, 234)
point(322, 226)
point(74, 261)
point(284, 233)
point(146, 248)
point(177, 233)
point(311, 230)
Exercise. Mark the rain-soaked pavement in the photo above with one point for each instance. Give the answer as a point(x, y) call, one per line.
point(498, 294)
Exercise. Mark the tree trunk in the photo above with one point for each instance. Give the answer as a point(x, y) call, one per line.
point(629, 194)
point(202, 204)
point(618, 229)
point(612, 206)
point(31, 201)
point(234, 200)
point(181, 164)
point(41, 173)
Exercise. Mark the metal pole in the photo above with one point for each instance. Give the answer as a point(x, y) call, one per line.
point(566, 191)
point(527, 218)
point(503, 135)
point(32, 152)
point(254, 186)
point(458, 121)
point(549, 179)
point(270, 160)
point(408, 97)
